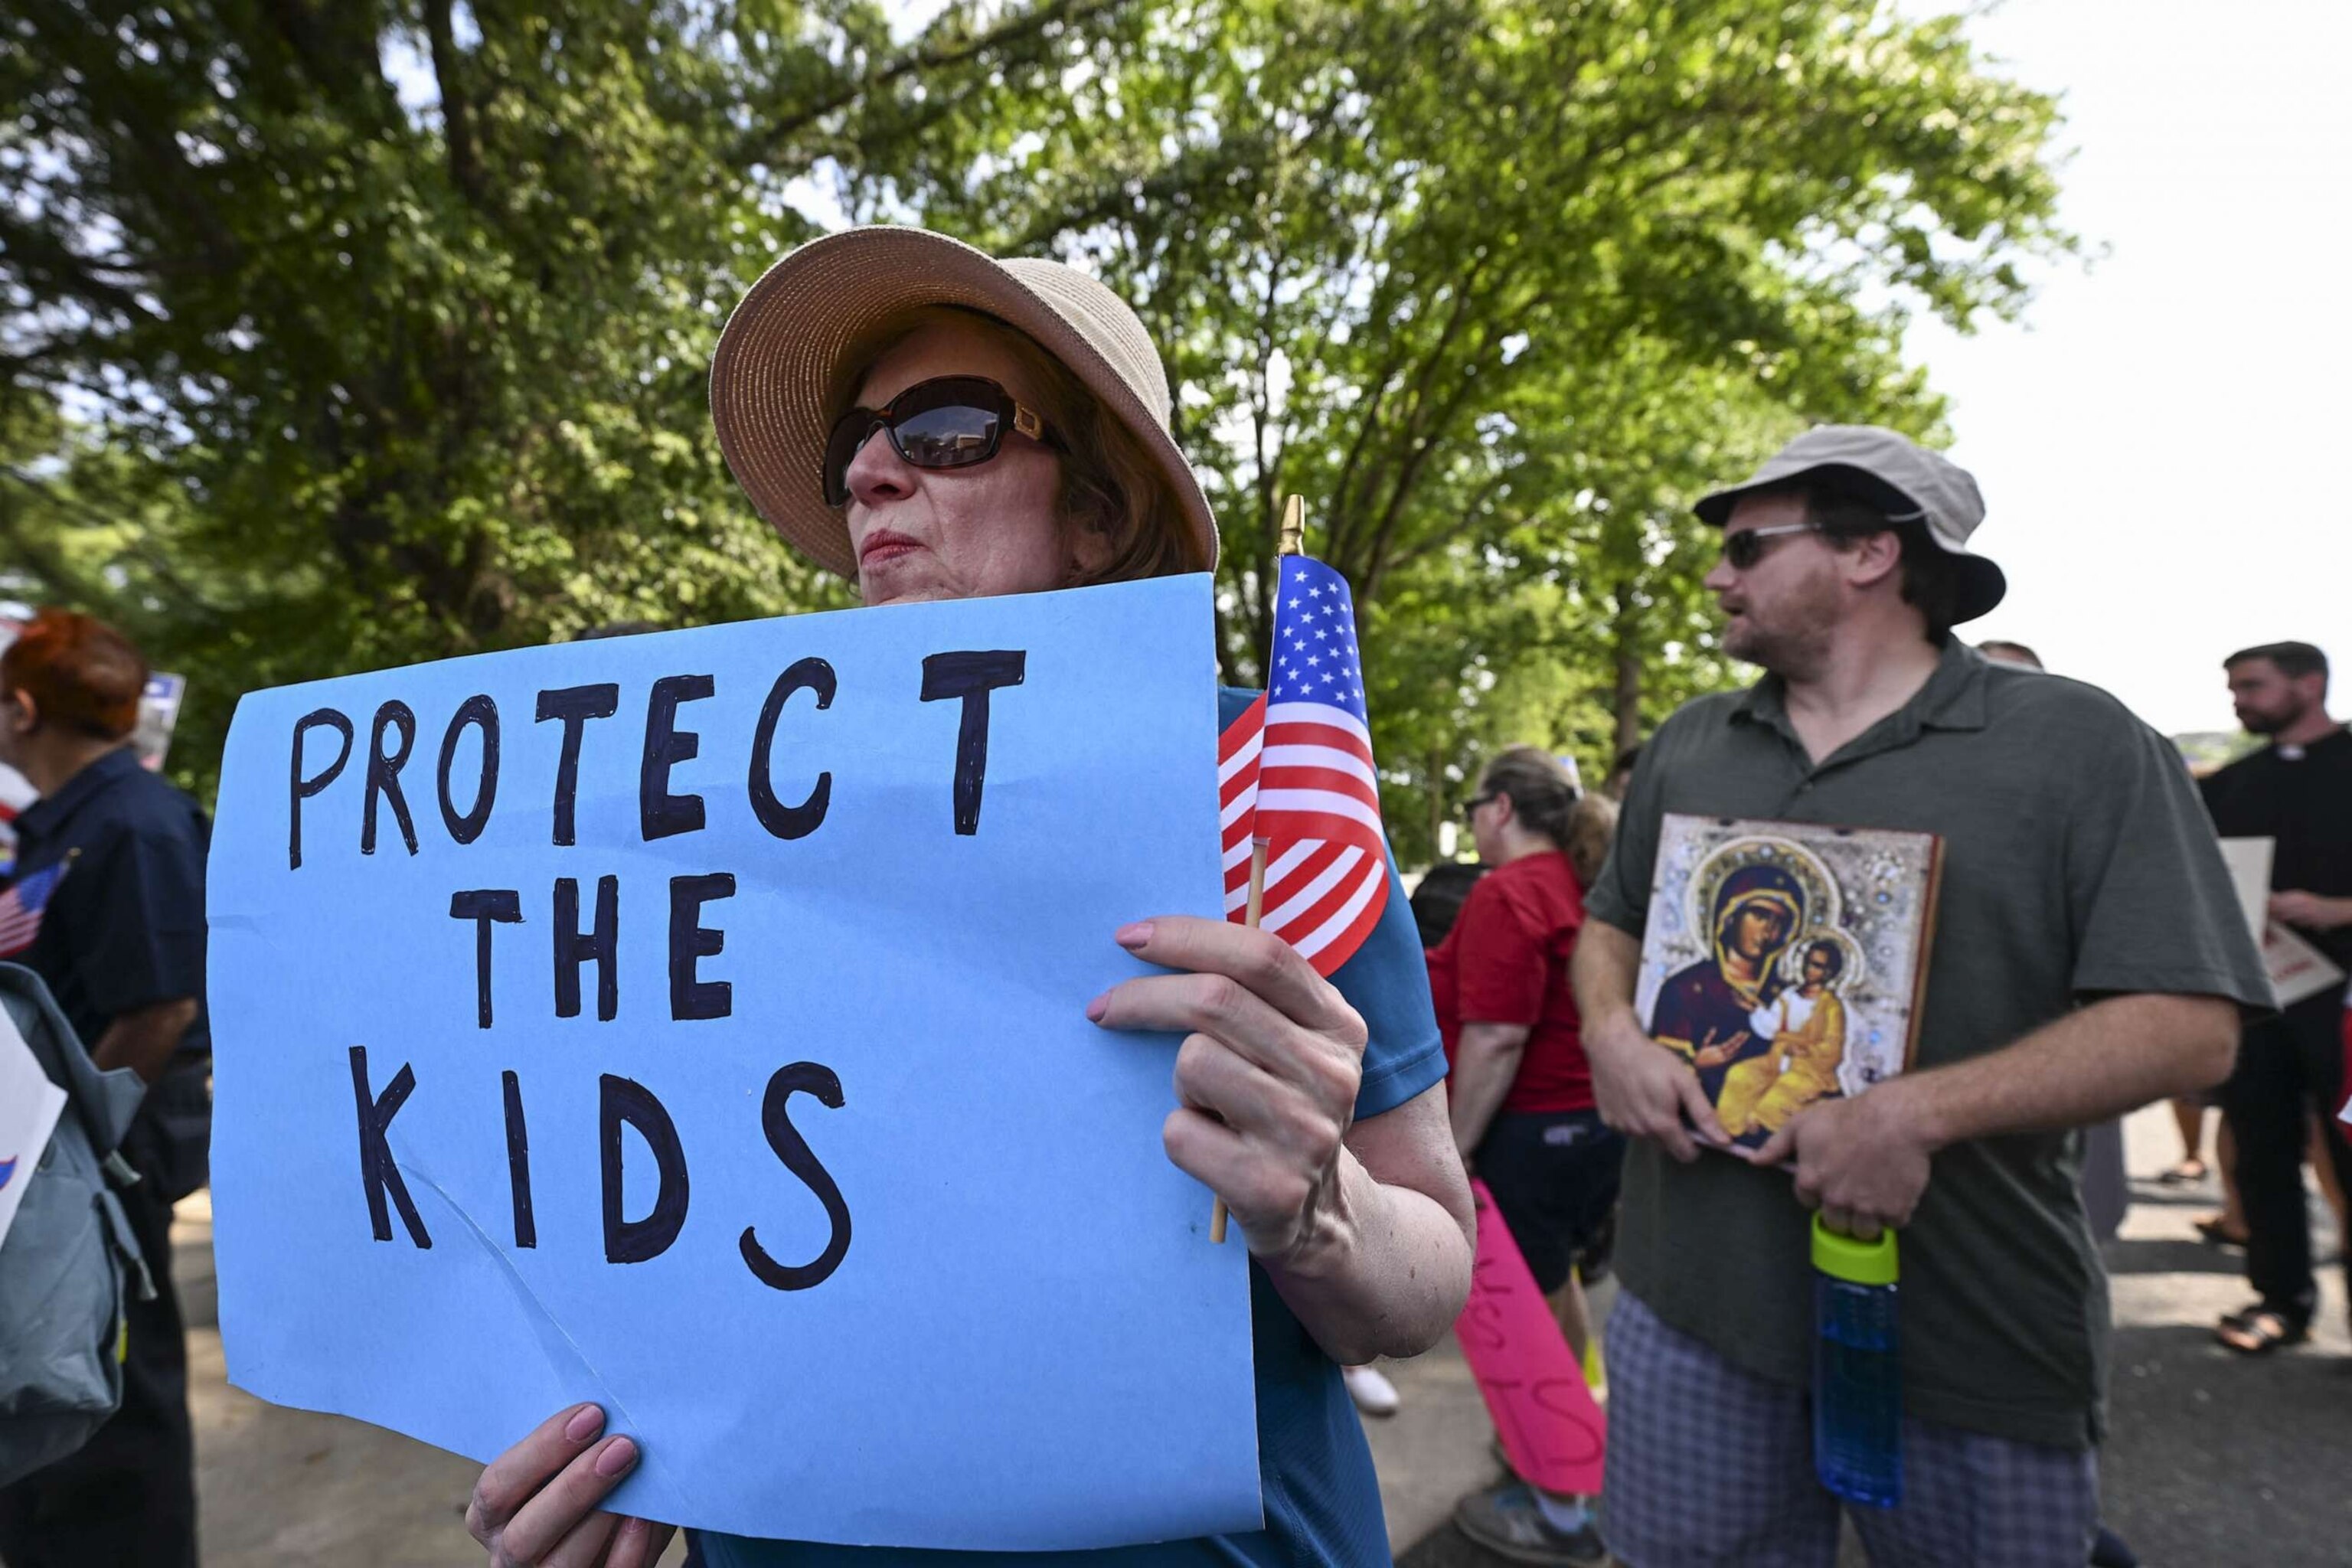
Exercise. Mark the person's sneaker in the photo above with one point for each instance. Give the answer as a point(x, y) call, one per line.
point(1373, 1394)
point(1506, 1521)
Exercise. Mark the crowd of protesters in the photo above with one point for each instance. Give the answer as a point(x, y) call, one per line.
point(2090, 957)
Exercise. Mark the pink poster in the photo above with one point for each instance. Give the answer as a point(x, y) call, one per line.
point(1553, 1432)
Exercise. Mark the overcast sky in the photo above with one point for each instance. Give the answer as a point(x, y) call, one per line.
point(2162, 443)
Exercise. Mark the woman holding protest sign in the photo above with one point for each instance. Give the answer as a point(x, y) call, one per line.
point(1023, 418)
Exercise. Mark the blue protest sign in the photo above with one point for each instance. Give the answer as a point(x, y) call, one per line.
point(695, 1023)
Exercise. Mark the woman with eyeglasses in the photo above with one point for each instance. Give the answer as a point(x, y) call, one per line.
point(935, 424)
point(1522, 1105)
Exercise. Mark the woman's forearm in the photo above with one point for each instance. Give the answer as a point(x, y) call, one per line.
point(1390, 1277)
point(1387, 1265)
point(1485, 1062)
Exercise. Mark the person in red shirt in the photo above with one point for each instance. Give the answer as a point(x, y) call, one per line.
point(1521, 1090)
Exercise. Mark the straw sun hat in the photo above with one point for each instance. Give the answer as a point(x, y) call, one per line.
point(781, 376)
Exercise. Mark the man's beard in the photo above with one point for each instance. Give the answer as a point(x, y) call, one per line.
point(2272, 723)
point(1794, 645)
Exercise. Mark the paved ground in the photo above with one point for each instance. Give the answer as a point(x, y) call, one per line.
point(2214, 1462)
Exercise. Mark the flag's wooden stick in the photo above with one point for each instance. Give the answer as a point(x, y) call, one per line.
point(1292, 543)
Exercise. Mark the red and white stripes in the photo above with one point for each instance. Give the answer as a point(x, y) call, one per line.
point(1299, 776)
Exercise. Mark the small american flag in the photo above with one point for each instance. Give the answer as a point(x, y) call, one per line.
point(1295, 771)
point(22, 906)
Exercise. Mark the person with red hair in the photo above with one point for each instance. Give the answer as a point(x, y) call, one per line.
point(108, 907)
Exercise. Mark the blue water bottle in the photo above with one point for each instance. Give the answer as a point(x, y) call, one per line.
point(1857, 1376)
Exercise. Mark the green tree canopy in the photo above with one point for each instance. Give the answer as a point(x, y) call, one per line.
point(1503, 284)
point(350, 334)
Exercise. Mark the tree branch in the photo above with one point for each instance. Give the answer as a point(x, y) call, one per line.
point(1345, 526)
point(457, 108)
point(930, 55)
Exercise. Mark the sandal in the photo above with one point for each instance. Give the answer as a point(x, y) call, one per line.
point(2258, 1329)
point(2218, 1234)
point(2182, 1174)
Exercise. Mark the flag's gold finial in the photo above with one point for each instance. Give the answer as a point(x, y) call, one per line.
point(1293, 526)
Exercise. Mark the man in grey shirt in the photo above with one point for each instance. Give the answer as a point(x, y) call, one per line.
point(2088, 957)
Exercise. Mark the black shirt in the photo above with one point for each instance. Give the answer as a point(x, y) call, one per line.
point(2305, 801)
point(124, 927)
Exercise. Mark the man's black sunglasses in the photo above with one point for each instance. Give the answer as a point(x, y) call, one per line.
point(1745, 549)
point(952, 422)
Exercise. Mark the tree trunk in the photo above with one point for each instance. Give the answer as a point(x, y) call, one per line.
point(1625, 634)
point(1438, 804)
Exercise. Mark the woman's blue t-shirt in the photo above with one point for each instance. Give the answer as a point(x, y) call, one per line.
point(1322, 1499)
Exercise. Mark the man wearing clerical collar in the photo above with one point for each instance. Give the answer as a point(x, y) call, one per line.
point(2297, 792)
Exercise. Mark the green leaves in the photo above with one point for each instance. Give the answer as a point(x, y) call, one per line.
point(1501, 286)
point(382, 324)
point(385, 326)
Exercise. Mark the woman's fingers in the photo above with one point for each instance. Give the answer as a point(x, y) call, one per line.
point(638, 1544)
point(1201, 1146)
point(1328, 1070)
point(515, 1477)
point(1261, 962)
point(1248, 992)
point(1273, 1112)
point(1210, 1076)
point(1260, 1143)
point(1267, 1075)
point(562, 1503)
point(1211, 1004)
point(584, 1545)
point(1260, 1192)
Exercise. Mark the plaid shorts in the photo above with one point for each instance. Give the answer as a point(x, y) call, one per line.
point(1710, 1464)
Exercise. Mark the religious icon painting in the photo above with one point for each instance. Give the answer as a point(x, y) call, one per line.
point(1787, 960)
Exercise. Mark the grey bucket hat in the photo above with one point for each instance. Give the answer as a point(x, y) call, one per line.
point(1903, 479)
point(782, 371)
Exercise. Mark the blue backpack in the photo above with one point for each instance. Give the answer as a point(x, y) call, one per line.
point(71, 1257)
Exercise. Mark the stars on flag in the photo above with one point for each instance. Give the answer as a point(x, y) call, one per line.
point(1315, 618)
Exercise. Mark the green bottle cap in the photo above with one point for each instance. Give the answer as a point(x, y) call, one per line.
point(1855, 1262)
